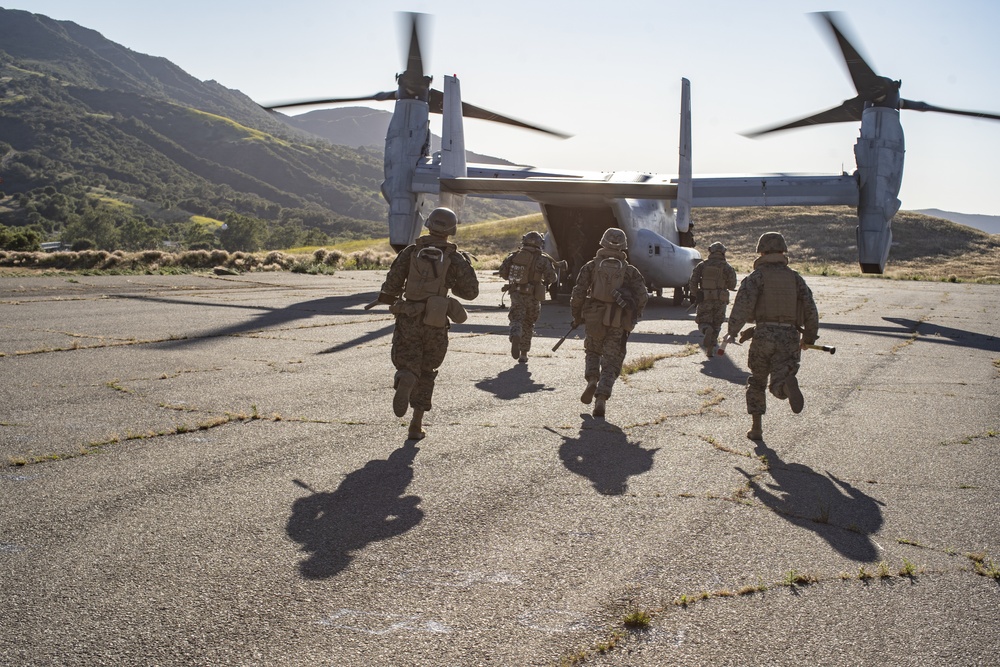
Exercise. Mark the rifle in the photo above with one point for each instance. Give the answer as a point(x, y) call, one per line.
point(748, 333)
point(382, 297)
point(563, 339)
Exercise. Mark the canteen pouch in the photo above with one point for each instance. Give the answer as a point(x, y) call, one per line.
point(456, 312)
point(436, 311)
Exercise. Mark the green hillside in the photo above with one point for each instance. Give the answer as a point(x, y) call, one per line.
point(121, 149)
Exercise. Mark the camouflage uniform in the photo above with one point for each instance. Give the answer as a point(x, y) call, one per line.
point(526, 296)
point(419, 348)
point(607, 324)
point(775, 347)
point(711, 280)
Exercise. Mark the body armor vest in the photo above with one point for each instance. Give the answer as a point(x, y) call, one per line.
point(779, 298)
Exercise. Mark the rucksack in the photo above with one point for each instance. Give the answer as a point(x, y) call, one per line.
point(428, 270)
point(609, 274)
point(522, 267)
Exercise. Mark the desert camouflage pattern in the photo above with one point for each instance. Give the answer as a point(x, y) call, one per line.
point(526, 303)
point(711, 311)
point(774, 350)
point(605, 345)
point(417, 347)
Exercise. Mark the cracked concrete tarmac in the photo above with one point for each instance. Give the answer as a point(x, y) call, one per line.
point(205, 470)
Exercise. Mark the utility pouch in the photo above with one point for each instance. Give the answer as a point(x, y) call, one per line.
point(593, 319)
point(407, 308)
point(456, 312)
point(613, 316)
point(540, 291)
point(436, 311)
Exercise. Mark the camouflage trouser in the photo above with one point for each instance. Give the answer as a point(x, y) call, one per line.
point(419, 349)
point(712, 314)
point(524, 312)
point(604, 357)
point(774, 351)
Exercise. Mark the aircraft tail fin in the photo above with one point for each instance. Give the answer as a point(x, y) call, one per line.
point(453, 163)
point(684, 185)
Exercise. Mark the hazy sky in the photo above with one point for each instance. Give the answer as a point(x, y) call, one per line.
point(609, 74)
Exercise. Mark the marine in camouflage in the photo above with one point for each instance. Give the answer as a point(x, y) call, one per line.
point(417, 347)
point(526, 300)
point(775, 349)
point(605, 345)
point(712, 279)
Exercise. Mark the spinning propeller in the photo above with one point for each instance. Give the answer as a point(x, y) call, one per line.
point(872, 89)
point(413, 84)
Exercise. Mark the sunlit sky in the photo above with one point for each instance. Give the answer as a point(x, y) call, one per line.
point(609, 74)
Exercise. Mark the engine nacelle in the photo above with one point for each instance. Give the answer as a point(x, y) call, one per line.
point(879, 153)
point(406, 143)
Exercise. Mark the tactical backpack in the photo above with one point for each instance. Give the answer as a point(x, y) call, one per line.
point(428, 270)
point(522, 268)
point(609, 274)
point(713, 283)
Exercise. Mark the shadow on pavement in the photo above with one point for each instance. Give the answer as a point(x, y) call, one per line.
point(723, 368)
point(512, 383)
point(926, 332)
point(603, 454)
point(841, 514)
point(368, 505)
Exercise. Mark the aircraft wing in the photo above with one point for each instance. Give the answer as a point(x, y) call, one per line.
point(775, 190)
point(561, 191)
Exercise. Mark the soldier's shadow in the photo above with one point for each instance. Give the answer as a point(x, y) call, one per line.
point(512, 383)
point(841, 514)
point(368, 505)
point(723, 368)
point(603, 454)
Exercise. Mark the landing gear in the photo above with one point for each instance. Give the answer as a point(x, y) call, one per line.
point(678, 296)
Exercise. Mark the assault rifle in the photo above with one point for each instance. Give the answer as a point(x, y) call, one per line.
point(563, 339)
point(747, 334)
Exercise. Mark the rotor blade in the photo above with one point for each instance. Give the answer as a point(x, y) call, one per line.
point(923, 106)
point(849, 111)
point(864, 77)
point(436, 104)
point(377, 97)
point(414, 61)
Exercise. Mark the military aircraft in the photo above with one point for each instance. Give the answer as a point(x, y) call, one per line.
point(654, 210)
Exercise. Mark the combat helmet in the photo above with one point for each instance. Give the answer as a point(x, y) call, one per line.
point(442, 222)
point(770, 242)
point(533, 240)
point(716, 247)
point(614, 239)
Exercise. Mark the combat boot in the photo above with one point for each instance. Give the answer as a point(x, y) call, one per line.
point(599, 405)
point(756, 431)
point(795, 398)
point(416, 431)
point(588, 393)
point(523, 359)
point(515, 347)
point(708, 343)
point(405, 380)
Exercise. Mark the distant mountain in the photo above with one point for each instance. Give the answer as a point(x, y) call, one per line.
point(362, 126)
point(986, 223)
point(86, 122)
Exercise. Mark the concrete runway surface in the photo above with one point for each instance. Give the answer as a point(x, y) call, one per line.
point(202, 470)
